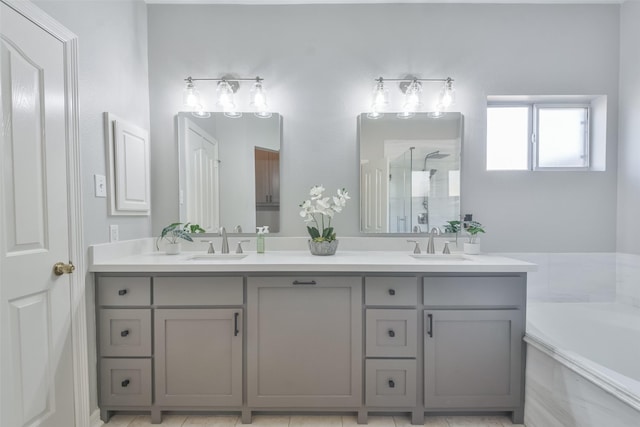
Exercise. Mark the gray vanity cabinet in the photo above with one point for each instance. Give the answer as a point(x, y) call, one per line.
point(198, 358)
point(472, 358)
point(304, 342)
point(473, 348)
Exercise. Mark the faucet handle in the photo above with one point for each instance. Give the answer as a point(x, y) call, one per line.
point(211, 249)
point(446, 248)
point(239, 248)
point(416, 250)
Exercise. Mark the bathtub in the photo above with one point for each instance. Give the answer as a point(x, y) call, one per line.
point(583, 365)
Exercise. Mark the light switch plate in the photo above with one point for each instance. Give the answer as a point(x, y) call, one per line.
point(114, 233)
point(100, 185)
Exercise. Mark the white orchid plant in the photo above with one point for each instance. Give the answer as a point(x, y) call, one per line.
point(319, 210)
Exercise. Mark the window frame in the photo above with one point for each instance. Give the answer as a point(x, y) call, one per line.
point(532, 133)
point(535, 131)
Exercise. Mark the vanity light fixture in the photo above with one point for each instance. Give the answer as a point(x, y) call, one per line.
point(225, 92)
point(412, 90)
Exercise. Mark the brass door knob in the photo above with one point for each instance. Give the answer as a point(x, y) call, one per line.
point(60, 268)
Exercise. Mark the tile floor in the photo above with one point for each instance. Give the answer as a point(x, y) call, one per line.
point(305, 421)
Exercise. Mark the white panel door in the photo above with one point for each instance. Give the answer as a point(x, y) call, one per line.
point(201, 169)
point(374, 200)
point(35, 335)
point(131, 167)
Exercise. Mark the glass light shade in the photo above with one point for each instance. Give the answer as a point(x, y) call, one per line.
point(373, 115)
point(225, 96)
point(438, 111)
point(200, 112)
point(259, 101)
point(380, 96)
point(448, 95)
point(190, 96)
point(406, 115)
point(413, 96)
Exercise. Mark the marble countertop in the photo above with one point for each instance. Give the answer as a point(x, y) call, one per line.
point(303, 261)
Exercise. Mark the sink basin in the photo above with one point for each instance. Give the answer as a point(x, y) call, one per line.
point(217, 257)
point(439, 257)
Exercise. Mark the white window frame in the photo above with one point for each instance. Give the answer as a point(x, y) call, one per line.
point(535, 131)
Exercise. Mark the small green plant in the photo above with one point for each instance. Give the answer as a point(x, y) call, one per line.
point(178, 230)
point(452, 227)
point(473, 229)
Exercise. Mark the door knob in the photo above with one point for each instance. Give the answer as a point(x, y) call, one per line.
point(60, 268)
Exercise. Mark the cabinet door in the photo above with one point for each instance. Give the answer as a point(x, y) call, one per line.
point(274, 177)
point(198, 357)
point(472, 358)
point(304, 343)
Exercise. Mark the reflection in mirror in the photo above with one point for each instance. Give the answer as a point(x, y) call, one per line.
point(409, 172)
point(229, 171)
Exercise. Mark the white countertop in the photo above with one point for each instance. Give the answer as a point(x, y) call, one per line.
point(303, 261)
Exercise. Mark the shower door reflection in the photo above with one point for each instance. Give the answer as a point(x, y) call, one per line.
point(409, 172)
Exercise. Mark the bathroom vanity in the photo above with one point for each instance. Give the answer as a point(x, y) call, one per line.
point(359, 332)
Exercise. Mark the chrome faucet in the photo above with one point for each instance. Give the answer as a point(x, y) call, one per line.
point(225, 242)
point(431, 248)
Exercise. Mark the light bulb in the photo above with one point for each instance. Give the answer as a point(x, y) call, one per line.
point(190, 96)
point(226, 101)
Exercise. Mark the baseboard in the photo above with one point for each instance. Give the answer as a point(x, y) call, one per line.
point(95, 419)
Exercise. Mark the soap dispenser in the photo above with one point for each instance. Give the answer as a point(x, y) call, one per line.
point(260, 239)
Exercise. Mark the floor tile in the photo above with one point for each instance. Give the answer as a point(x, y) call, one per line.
point(120, 420)
point(431, 421)
point(211, 421)
point(173, 420)
point(315, 421)
point(141, 421)
point(374, 420)
point(477, 421)
point(267, 421)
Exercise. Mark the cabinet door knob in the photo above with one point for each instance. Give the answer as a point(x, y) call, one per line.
point(124, 383)
point(392, 384)
point(392, 333)
point(392, 292)
point(122, 292)
point(430, 329)
point(124, 333)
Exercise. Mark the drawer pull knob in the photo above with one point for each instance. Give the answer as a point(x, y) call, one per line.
point(124, 333)
point(392, 292)
point(122, 292)
point(392, 333)
point(392, 384)
point(124, 383)
point(298, 282)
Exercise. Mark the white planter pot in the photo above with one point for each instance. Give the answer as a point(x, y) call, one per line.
point(471, 248)
point(173, 248)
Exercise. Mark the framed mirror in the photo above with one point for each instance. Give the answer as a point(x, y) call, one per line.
point(409, 172)
point(229, 171)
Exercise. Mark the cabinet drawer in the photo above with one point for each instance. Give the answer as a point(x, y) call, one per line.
point(398, 291)
point(125, 332)
point(125, 382)
point(124, 291)
point(458, 291)
point(391, 333)
point(175, 291)
point(391, 383)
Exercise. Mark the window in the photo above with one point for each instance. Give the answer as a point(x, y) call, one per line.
point(530, 136)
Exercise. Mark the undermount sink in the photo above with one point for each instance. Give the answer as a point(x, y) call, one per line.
point(217, 257)
point(440, 257)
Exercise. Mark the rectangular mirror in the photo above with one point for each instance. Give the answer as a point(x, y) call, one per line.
point(229, 171)
point(409, 172)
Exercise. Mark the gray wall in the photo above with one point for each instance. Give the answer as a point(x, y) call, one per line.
point(319, 63)
point(113, 76)
point(629, 146)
